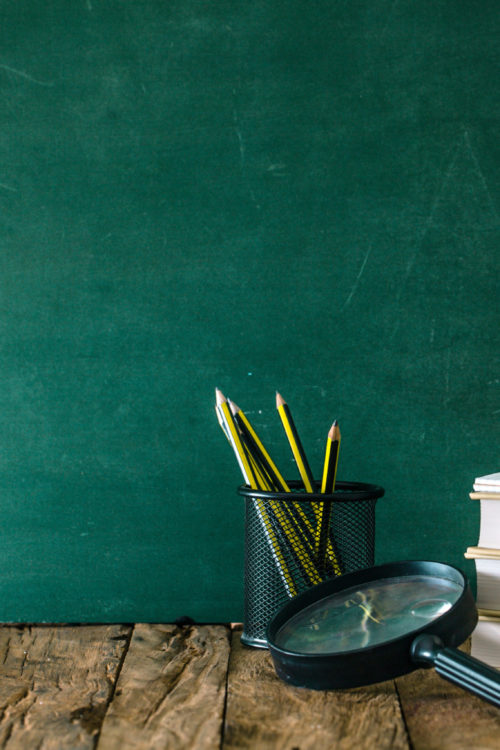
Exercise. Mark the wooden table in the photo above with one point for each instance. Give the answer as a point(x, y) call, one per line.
point(165, 686)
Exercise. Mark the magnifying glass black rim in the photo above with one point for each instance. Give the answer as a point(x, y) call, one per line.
point(381, 661)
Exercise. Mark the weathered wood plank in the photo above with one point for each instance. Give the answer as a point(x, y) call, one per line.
point(55, 684)
point(171, 690)
point(263, 712)
point(441, 716)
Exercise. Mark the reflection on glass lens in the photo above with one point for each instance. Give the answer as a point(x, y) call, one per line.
point(369, 614)
point(429, 609)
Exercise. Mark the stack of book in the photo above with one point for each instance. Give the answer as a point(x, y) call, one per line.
point(485, 642)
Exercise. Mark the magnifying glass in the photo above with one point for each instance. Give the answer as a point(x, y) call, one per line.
point(380, 623)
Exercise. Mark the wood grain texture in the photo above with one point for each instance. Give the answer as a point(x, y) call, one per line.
point(162, 686)
point(171, 689)
point(263, 712)
point(441, 716)
point(56, 683)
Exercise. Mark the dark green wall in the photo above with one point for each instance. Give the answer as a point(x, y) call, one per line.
point(263, 195)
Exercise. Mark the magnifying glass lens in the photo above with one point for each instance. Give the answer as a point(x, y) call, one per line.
point(379, 623)
point(369, 614)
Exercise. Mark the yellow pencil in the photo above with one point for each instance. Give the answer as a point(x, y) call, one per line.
point(257, 480)
point(260, 472)
point(233, 435)
point(277, 482)
point(327, 487)
point(252, 437)
point(331, 460)
point(231, 431)
point(304, 470)
point(300, 544)
point(295, 444)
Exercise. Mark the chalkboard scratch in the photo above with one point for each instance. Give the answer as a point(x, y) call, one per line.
point(277, 170)
point(8, 187)
point(435, 203)
point(241, 145)
point(242, 149)
point(447, 375)
point(22, 74)
point(464, 143)
point(239, 136)
point(427, 225)
point(480, 174)
point(322, 392)
point(356, 283)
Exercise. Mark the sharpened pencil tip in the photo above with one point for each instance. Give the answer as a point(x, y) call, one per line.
point(334, 433)
point(279, 400)
point(234, 407)
point(219, 397)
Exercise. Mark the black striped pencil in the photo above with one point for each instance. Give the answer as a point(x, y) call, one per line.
point(327, 488)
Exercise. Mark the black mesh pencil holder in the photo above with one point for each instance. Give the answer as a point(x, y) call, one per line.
point(294, 540)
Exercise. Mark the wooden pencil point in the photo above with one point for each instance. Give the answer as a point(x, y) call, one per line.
point(219, 397)
point(280, 401)
point(235, 409)
point(334, 433)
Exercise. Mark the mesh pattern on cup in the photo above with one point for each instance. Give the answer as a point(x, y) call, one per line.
point(283, 557)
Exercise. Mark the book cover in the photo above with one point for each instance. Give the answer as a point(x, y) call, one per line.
point(487, 483)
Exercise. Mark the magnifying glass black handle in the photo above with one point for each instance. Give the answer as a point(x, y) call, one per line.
point(454, 665)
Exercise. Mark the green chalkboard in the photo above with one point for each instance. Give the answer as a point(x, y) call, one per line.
point(299, 196)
